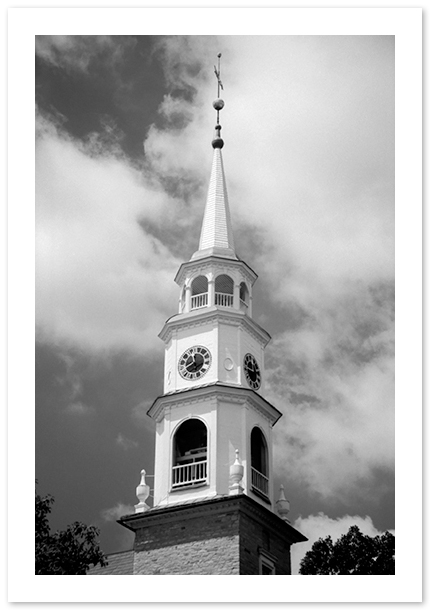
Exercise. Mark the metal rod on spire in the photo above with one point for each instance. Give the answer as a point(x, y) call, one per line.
point(218, 104)
point(218, 74)
point(218, 77)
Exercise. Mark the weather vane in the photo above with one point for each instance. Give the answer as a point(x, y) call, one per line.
point(218, 104)
point(218, 74)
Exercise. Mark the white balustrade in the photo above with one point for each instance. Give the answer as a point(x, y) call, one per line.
point(199, 300)
point(189, 474)
point(223, 299)
point(259, 482)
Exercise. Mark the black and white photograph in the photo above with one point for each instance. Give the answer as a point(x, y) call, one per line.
point(214, 382)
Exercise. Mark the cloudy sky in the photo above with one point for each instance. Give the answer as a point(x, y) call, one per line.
point(123, 156)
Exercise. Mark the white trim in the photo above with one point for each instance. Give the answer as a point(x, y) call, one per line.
point(266, 561)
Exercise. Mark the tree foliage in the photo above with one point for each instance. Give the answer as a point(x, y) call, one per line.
point(70, 551)
point(353, 553)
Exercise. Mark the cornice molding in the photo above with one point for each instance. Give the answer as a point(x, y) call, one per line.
point(214, 392)
point(208, 507)
point(203, 316)
point(204, 264)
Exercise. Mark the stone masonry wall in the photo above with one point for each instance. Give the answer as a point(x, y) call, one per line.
point(205, 544)
point(227, 535)
point(256, 535)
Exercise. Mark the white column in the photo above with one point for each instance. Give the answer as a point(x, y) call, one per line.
point(187, 298)
point(236, 296)
point(211, 291)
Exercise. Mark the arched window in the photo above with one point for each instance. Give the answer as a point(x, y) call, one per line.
point(190, 454)
point(243, 296)
point(199, 292)
point(259, 463)
point(224, 287)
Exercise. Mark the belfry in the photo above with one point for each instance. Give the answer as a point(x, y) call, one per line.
point(215, 510)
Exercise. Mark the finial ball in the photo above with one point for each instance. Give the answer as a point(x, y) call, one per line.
point(218, 104)
point(217, 143)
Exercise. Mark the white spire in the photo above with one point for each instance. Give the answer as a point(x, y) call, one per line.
point(216, 237)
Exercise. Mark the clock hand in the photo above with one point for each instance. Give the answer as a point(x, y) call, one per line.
point(193, 365)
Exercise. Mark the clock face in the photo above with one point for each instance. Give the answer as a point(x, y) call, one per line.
point(252, 371)
point(195, 362)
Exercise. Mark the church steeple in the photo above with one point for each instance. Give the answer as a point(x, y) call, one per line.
point(214, 509)
point(216, 236)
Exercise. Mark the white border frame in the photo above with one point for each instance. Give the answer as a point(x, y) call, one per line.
point(405, 24)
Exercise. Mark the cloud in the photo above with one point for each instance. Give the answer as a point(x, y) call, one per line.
point(70, 378)
point(77, 52)
point(309, 155)
point(328, 221)
point(184, 60)
point(125, 443)
point(79, 408)
point(321, 526)
point(117, 511)
point(102, 282)
point(333, 378)
point(72, 388)
point(317, 128)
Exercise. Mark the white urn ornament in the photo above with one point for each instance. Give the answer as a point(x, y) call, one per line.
point(236, 476)
point(282, 505)
point(142, 493)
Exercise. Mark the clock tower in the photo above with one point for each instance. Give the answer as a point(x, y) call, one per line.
point(214, 509)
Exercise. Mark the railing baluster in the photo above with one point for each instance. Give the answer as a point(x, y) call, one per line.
point(223, 299)
point(188, 474)
point(199, 300)
point(259, 482)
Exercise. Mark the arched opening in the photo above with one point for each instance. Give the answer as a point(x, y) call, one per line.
point(243, 296)
point(199, 292)
point(259, 463)
point(190, 454)
point(224, 288)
